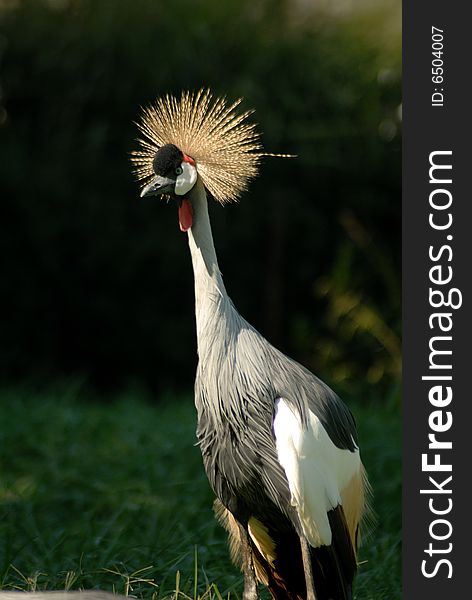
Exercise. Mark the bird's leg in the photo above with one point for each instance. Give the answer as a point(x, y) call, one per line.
point(310, 586)
point(250, 582)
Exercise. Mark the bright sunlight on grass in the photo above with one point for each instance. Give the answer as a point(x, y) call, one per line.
point(113, 496)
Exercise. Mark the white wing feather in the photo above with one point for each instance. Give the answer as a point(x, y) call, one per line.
point(317, 471)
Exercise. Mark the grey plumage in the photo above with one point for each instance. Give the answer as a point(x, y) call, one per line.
point(239, 378)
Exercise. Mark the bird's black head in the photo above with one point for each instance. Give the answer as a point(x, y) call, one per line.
point(167, 161)
point(175, 173)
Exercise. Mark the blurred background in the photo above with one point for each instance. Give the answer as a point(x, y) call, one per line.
point(96, 283)
point(96, 286)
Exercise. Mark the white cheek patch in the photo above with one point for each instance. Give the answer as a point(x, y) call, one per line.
point(186, 180)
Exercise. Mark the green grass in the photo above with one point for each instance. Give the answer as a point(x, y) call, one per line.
point(113, 495)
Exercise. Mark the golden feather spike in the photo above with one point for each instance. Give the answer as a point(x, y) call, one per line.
point(225, 147)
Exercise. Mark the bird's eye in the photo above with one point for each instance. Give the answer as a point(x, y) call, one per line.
point(178, 171)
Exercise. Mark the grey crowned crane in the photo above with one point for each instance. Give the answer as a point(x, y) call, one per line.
point(279, 447)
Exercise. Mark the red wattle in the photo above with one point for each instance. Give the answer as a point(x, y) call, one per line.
point(185, 215)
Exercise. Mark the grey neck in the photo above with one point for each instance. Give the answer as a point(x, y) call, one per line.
point(211, 299)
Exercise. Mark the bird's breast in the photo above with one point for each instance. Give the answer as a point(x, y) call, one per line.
point(240, 457)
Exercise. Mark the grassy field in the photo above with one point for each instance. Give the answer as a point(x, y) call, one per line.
point(113, 495)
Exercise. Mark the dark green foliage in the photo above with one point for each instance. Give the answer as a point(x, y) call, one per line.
point(114, 496)
point(96, 281)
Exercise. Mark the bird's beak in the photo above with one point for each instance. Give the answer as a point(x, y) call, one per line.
point(159, 185)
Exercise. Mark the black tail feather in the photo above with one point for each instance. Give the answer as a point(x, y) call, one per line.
point(335, 566)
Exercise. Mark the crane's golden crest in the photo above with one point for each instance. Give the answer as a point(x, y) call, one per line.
point(225, 147)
